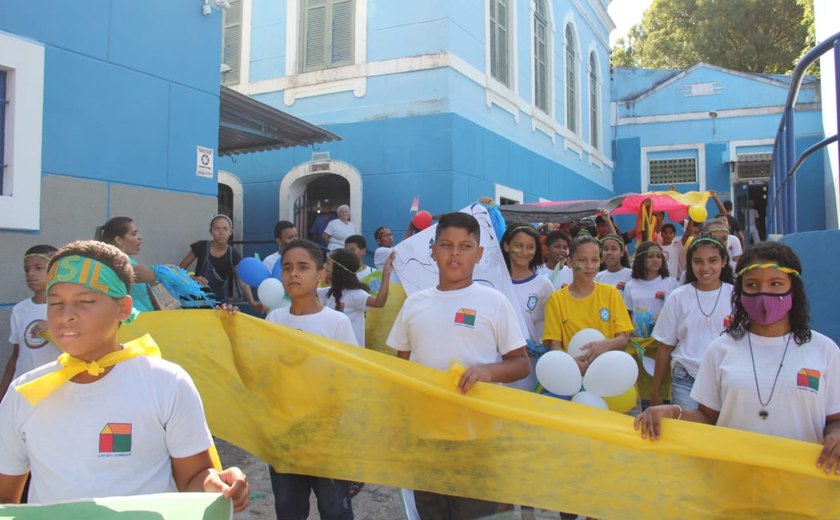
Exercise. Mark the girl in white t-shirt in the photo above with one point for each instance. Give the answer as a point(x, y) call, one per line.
point(769, 373)
point(649, 286)
point(522, 253)
point(349, 295)
point(644, 296)
point(616, 270)
point(693, 317)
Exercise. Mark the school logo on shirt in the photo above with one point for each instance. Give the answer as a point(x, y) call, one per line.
point(465, 318)
point(532, 302)
point(33, 336)
point(620, 285)
point(660, 295)
point(604, 314)
point(808, 379)
point(115, 440)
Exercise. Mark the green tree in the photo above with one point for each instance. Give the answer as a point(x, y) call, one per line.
point(747, 35)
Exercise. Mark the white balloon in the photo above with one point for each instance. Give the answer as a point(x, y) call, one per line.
point(558, 373)
point(583, 337)
point(611, 374)
point(590, 399)
point(271, 293)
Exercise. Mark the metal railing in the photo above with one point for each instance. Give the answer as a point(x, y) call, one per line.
point(781, 217)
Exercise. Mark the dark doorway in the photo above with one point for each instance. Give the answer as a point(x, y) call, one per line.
point(319, 202)
point(751, 209)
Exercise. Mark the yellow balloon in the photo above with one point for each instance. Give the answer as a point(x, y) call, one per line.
point(698, 213)
point(624, 402)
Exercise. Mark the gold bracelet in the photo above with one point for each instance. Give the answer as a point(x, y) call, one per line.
point(680, 409)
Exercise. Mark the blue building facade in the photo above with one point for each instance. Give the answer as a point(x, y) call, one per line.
point(508, 99)
point(445, 101)
point(106, 104)
point(709, 128)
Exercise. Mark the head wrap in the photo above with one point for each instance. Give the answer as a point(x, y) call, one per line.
point(91, 273)
point(778, 267)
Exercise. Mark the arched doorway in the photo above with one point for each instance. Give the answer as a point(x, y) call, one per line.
point(315, 188)
point(229, 197)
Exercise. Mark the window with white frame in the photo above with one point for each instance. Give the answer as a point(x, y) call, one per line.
point(326, 34)
point(594, 112)
point(678, 170)
point(500, 40)
point(571, 79)
point(21, 116)
point(232, 43)
point(541, 60)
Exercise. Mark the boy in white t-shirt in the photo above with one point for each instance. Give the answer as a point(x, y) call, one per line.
point(461, 320)
point(30, 346)
point(284, 232)
point(104, 419)
point(555, 268)
point(358, 245)
point(672, 248)
point(301, 271)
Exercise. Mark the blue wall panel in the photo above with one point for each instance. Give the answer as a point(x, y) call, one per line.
point(818, 251)
point(193, 121)
point(104, 122)
point(80, 27)
point(171, 40)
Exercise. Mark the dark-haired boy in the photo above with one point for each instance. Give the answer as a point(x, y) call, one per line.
point(462, 320)
point(284, 232)
point(358, 245)
point(30, 347)
point(672, 249)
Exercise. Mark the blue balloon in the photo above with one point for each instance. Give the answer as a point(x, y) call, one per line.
point(252, 271)
point(275, 271)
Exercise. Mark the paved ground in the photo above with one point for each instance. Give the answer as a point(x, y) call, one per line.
point(373, 503)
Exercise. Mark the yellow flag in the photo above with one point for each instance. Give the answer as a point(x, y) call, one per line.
point(314, 406)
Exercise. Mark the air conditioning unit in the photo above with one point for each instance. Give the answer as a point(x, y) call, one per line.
point(320, 162)
point(753, 168)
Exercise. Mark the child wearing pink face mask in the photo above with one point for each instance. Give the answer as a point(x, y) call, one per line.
point(769, 372)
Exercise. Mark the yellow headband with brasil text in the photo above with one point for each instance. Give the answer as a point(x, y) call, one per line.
point(91, 273)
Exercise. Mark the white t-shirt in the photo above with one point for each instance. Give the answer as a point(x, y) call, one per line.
point(531, 295)
point(475, 325)
point(645, 299)
point(733, 248)
point(380, 256)
point(673, 251)
point(112, 437)
point(338, 232)
point(271, 259)
point(353, 305)
point(808, 388)
point(364, 272)
point(27, 321)
point(326, 323)
point(559, 278)
point(683, 324)
point(617, 279)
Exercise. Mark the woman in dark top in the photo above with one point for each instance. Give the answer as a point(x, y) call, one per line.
point(216, 263)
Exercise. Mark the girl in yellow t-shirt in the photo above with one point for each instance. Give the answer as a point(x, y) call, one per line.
point(586, 304)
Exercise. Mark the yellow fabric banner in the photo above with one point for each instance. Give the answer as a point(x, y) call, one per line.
point(314, 406)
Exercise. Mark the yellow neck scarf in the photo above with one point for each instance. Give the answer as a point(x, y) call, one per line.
point(39, 389)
